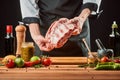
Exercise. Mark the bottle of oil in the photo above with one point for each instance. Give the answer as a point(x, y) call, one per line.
point(114, 40)
point(9, 41)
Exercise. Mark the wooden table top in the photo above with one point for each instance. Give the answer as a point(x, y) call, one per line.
point(62, 68)
point(57, 72)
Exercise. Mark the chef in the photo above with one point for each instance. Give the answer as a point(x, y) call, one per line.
point(38, 15)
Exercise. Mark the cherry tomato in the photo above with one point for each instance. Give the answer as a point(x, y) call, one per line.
point(46, 61)
point(105, 59)
point(10, 63)
point(117, 60)
point(28, 64)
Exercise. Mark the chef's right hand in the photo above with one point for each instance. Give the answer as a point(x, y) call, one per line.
point(38, 38)
point(43, 43)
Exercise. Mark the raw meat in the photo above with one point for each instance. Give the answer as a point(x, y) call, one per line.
point(60, 31)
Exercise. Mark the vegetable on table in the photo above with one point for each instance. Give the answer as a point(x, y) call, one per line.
point(108, 66)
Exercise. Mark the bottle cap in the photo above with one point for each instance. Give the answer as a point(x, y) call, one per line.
point(9, 28)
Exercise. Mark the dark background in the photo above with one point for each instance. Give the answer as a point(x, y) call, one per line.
point(100, 28)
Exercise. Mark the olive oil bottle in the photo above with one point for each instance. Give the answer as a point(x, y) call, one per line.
point(114, 40)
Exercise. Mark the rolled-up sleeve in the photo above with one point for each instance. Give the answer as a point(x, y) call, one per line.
point(93, 5)
point(29, 11)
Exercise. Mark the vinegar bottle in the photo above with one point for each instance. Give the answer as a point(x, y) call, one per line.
point(114, 39)
point(9, 41)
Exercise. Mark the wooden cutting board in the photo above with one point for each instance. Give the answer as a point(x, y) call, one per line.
point(69, 60)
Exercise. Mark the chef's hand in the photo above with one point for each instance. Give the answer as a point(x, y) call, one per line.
point(79, 20)
point(38, 38)
point(43, 43)
point(77, 24)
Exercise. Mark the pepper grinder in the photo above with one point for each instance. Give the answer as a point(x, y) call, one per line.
point(20, 35)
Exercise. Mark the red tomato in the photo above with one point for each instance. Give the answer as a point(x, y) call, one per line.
point(105, 59)
point(117, 60)
point(46, 61)
point(28, 64)
point(10, 63)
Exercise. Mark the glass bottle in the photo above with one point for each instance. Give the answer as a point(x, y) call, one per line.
point(9, 41)
point(114, 40)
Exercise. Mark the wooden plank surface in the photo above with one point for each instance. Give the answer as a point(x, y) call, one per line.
point(62, 68)
point(57, 72)
point(54, 72)
point(106, 75)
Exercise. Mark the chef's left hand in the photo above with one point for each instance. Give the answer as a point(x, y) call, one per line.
point(77, 23)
